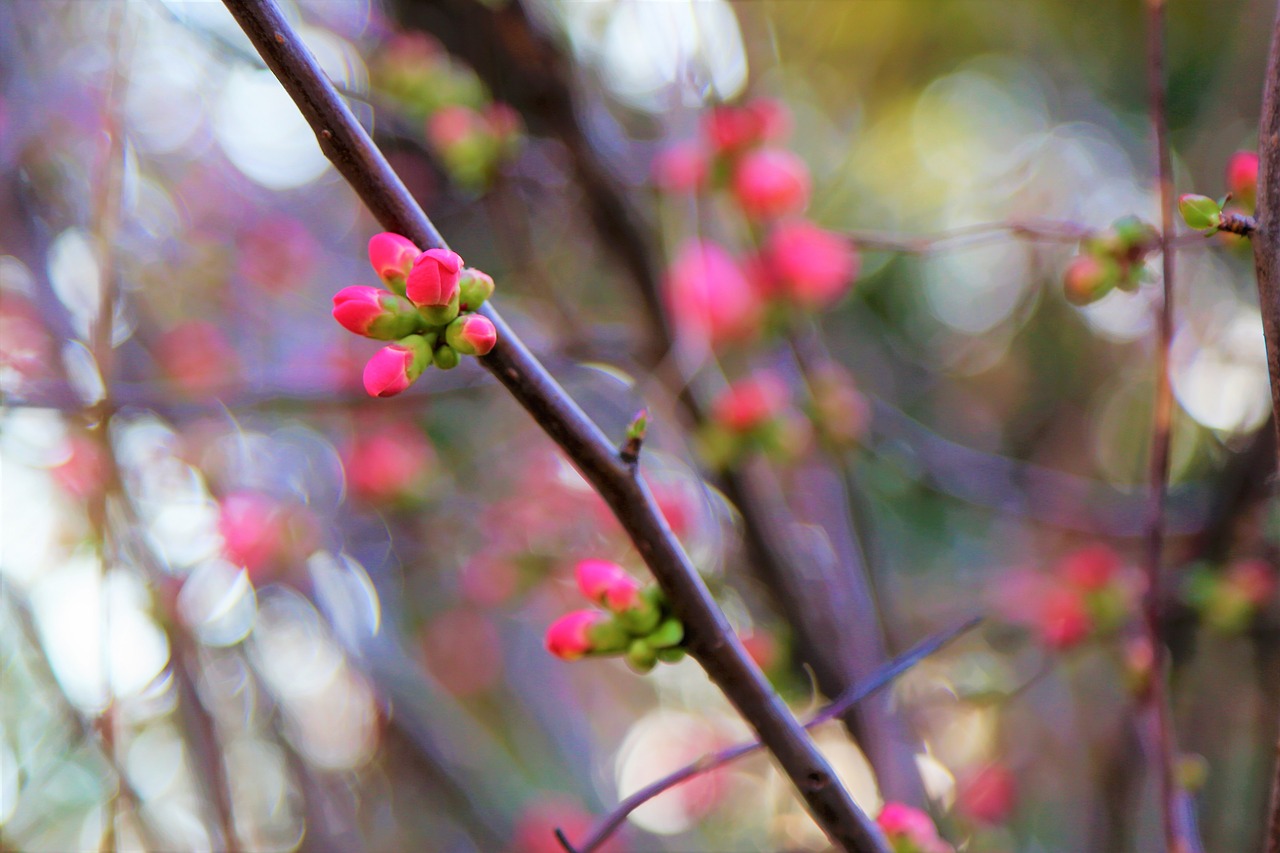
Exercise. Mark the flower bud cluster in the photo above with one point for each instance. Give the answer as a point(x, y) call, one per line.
point(1229, 600)
point(1110, 259)
point(472, 134)
point(754, 415)
point(428, 310)
point(793, 263)
point(634, 622)
point(909, 830)
point(1093, 594)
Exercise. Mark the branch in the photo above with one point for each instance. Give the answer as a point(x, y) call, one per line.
point(969, 236)
point(876, 681)
point(1154, 702)
point(1266, 259)
point(712, 641)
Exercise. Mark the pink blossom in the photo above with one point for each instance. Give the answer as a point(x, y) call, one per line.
point(1063, 618)
point(452, 125)
point(433, 281)
point(910, 829)
point(392, 256)
point(680, 168)
point(812, 266)
point(389, 372)
point(197, 356)
point(751, 402)
point(567, 637)
point(1090, 568)
point(472, 334)
point(710, 297)
point(1253, 579)
point(608, 584)
point(731, 129)
point(278, 254)
point(252, 529)
point(1242, 177)
point(390, 463)
point(770, 183)
point(987, 795)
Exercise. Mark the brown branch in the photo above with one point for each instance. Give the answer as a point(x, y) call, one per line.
point(711, 640)
point(1266, 259)
point(1154, 702)
point(882, 677)
point(970, 236)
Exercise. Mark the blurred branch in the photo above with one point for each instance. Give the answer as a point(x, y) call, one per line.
point(980, 234)
point(864, 688)
point(1266, 258)
point(711, 639)
point(1154, 701)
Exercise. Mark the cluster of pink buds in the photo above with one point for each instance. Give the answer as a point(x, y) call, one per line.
point(909, 830)
point(794, 263)
point(1229, 600)
point(754, 415)
point(634, 621)
point(428, 310)
point(1110, 259)
point(1090, 593)
point(472, 135)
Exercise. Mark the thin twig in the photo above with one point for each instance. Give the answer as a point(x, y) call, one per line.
point(1155, 706)
point(982, 233)
point(1266, 259)
point(711, 639)
point(878, 680)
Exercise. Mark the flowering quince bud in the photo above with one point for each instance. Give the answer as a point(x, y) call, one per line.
point(680, 168)
point(568, 637)
point(474, 289)
point(394, 368)
point(750, 403)
point(812, 266)
point(608, 584)
point(446, 357)
point(987, 795)
point(1088, 279)
point(710, 297)
point(770, 183)
point(392, 258)
point(471, 334)
point(641, 656)
point(375, 313)
point(1090, 568)
point(433, 280)
point(1199, 212)
point(1063, 618)
point(1242, 178)
point(910, 830)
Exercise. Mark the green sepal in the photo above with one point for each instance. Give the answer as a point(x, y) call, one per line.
point(1200, 212)
point(441, 315)
point(671, 655)
point(447, 357)
point(401, 318)
point(608, 637)
point(641, 620)
point(641, 656)
point(474, 289)
point(667, 635)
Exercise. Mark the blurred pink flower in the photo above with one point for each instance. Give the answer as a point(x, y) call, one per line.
point(750, 403)
point(263, 534)
point(809, 265)
point(680, 168)
point(278, 254)
point(987, 795)
point(83, 473)
point(910, 830)
point(463, 651)
point(709, 297)
point(1090, 568)
point(197, 356)
point(770, 183)
point(390, 463)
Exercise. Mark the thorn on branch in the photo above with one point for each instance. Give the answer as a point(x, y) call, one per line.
point(636, 430)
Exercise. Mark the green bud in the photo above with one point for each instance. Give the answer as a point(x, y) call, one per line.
point(1200, 212)
point(608, 636)
point(641, 656)
point(446, 357)
point(642, 619)
point(671, 655)
point(667, 635)
point(475, 288)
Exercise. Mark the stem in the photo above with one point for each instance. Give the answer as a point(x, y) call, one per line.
point(1266, 259)
point(1155, 708)
point(712, 641)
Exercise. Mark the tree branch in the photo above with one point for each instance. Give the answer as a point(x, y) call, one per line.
point(1266, 260)
point(711, 640)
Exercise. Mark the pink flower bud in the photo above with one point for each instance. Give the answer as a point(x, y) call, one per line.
point(392, 257)
point(433, 281)
point(680, 168)
point(472, 334)
point(1088, 279)
point(710, 297)
point(390, 463)
point(1090, 568)
point(452, 125)
point(375, 313)
point(608, 584)
point(751, 403)
point(1063, 618)
point(811, 266)
point(567, 637)
point(394, 368)
point(987, 795)
point(770, 183)
point(1253, 579)
point(474, 289)
point(734, 129)
point(1242, 177)
point(910, 829)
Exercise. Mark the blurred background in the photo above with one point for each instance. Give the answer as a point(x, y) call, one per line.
point(245, 606)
